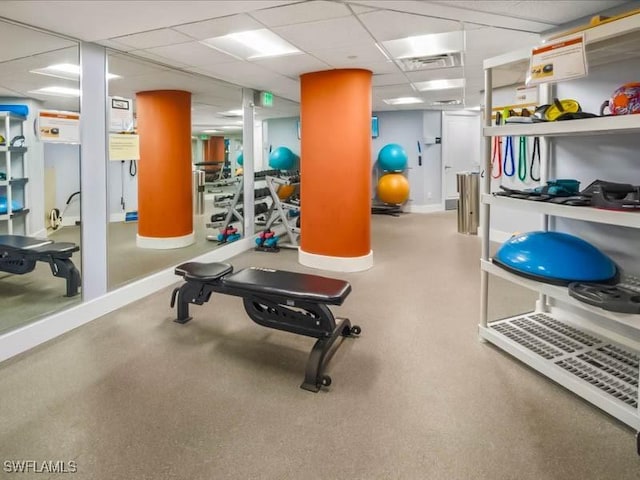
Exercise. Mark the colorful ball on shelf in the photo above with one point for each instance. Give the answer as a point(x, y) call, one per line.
point(392, 158)
point(393, 188)
point(282, 158)
point(240, 159)
point(625, 100)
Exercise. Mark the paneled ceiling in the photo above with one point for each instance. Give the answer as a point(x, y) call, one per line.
point(330, 34)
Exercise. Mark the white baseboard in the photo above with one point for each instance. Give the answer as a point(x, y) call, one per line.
point(336, 264)
point(69, 221)
point(435, 207)
point(22, 339)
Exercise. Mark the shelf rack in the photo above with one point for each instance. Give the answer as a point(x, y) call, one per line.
point(11, 125)
point(590, 351)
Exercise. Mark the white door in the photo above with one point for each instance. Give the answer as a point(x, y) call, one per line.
point(461, 135)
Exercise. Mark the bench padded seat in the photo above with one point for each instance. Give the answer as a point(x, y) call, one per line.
point(19, 242)
point(203, 272)
point(56, 248)
point(291, 285)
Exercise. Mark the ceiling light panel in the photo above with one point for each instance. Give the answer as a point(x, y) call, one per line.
point(403, 101)
point(252, 44)
point(216, 27)
point(57, 91)
point(425, 45)
point(441, 84)
point(67, 71)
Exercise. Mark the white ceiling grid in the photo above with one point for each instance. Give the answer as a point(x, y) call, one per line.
point(330, 34)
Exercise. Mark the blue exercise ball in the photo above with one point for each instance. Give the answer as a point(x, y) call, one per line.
point(392, 158)
point(282, 158)
point(555, 257)
point(240, 159)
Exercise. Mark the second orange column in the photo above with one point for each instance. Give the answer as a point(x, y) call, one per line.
point(164, 175)
point(335, 119)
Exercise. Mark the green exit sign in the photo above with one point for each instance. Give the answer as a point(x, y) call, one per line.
point(204, 137)
point(266, 99)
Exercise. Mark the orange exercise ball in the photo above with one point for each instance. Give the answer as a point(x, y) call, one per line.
point(393, 188)
point(285, 191)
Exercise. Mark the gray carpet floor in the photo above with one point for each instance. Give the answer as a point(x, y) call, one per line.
point(133, 395)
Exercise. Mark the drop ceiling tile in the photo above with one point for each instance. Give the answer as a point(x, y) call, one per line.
point(350, 56)
point(193, 53)
point(292, 66)
point(388, 25)
point(309, 11)
point(440, 73)
point(154, 38)
point(115, 45)
point(118, 18)
point(548, 11)
point(24, 42)
point(129, 66)
point(393, 91)
point(379, 68)
point(219, 26)
point(386, 79)
point(326, 34)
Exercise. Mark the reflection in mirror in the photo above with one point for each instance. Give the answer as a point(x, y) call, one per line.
point(39, 175)
point(214, 141)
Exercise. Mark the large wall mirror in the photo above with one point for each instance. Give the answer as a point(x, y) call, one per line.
point(39, 175)
point(217, 165)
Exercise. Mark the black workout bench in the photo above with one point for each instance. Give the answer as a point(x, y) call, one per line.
point(289, 301)
point(19, 254)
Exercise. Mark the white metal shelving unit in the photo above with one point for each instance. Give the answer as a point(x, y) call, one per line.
point(13, 163)
point(592, 352)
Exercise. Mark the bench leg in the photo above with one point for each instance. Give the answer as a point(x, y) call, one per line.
point(189, 292)
point(64, 268)
point(321, 353)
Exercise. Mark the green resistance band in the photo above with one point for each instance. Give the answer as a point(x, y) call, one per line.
point(522, 159)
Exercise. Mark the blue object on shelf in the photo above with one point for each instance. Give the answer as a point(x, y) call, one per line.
point(17, 109)
point(555, 257)
point(16, 206)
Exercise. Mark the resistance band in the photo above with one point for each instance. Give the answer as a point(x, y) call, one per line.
point(535, 156)
point(497, 152)
point(522, 159)
point(508, 155)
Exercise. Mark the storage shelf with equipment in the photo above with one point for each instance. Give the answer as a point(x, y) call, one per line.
point(13, 174)
point(589, 350)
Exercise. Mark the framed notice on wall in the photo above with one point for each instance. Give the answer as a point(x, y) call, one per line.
point(54, 126)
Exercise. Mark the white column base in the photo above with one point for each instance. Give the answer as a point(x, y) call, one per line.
point(165, 243)
point(336, 264)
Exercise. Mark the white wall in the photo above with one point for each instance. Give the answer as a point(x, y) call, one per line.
point(120, 184)
point(64, 159)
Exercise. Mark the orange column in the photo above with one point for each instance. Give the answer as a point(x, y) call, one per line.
point(165, 215)
point(205, 150)
point(335, 190)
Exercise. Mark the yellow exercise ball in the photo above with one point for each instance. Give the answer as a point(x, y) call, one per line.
point(239, 171)
point(393, 188)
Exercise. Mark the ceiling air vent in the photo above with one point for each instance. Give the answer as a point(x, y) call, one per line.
point(431, 62)
point(447, 102)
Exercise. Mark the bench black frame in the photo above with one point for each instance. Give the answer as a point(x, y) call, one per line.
point(311, 319)
point(57, 255)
